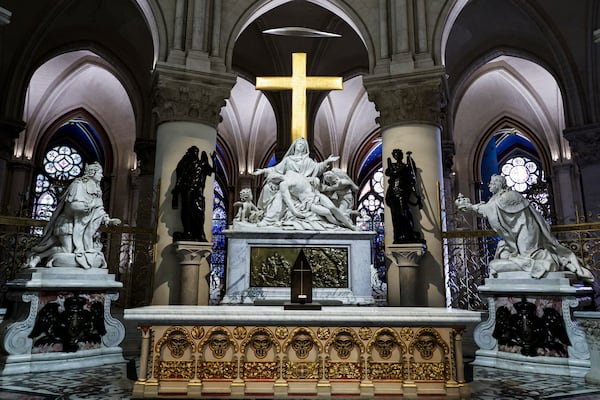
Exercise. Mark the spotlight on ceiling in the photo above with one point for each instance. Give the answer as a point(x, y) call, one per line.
point(300, 31)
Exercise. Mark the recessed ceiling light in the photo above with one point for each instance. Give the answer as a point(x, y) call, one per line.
point(299, 31)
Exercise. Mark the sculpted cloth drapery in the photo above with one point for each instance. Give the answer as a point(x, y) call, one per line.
point(69, 238)
point(527, 243)
point(292, 198)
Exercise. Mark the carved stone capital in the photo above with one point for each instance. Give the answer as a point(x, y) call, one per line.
point(192, 252)
point(585, 144)
point(184, 96)
point(406, 255)
point(418, 99)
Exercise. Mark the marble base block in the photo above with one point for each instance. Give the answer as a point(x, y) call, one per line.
point(357, 246)
point(589, 321)
point(60, 319)
point(530, 325)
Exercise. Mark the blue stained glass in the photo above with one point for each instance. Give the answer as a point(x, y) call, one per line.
point(61, 163)
point(370, 209)
point(218, 256)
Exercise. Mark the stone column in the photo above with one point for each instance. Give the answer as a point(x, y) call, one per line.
point(585, 146)
point(403, 272)
point(9, 131)
point(186, 114)
point(142, 181)
point(410, 110)
point(566, 192)
point(195, 272)
point(18, 198)
point(196, 33)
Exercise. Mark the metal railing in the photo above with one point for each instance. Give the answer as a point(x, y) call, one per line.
point(129, 252)
point(468, 252)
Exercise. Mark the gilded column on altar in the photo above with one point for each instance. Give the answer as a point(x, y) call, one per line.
point(411, 115)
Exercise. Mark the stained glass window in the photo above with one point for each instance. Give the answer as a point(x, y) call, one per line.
point(525, 176)
point(61, 165)
point(370, 218)
point(62, 162)
point(218, 257)
point(520, 173)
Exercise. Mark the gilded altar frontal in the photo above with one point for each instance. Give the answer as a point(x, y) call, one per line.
point(240, 361)
point(271, 266)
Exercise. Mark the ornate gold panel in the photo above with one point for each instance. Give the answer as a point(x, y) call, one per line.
point(260, 370)
point(273, 359)
point(217, 370)
point(178, 370)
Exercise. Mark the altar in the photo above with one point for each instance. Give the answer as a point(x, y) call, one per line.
point(259, 265)
point(265, 351)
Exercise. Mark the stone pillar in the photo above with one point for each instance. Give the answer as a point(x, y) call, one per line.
point(195, 272)
point(589, 322)
point(9, 131)
point(585, 146)
point(410, 110)
point(143, 183)
point(186, 113)
point(196, 33)
point(19, 179)
point(566, 192)
point(403, 272)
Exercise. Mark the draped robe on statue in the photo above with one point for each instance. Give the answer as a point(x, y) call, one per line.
point(527, 243)
point(71, 230)
point(291, 197)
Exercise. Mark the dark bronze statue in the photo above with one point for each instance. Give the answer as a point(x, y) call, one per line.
point(191, 178)
point(401, 195)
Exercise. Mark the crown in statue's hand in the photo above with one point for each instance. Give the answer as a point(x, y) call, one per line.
point(462, 202)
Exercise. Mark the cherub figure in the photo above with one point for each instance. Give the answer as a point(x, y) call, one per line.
point(246, 210)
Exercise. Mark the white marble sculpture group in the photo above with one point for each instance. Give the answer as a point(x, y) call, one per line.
point(300, 194)
point(70, 238)
point(527, 243)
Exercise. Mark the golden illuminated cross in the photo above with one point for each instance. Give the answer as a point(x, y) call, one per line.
point(299, 83)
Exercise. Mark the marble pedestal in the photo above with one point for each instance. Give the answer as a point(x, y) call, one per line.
point(589, 322)
point(355, 268)
point(549, 302)
point(403, 272)
point(59, 318)
point(194, 260)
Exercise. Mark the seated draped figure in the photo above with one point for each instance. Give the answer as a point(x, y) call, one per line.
point(527, 243)
point(300, 193)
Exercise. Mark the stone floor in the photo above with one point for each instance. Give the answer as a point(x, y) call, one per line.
point(111, 382)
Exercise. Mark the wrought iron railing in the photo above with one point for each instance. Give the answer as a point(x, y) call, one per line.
point(469, 251)
point(130, 255)
point(129, 252)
